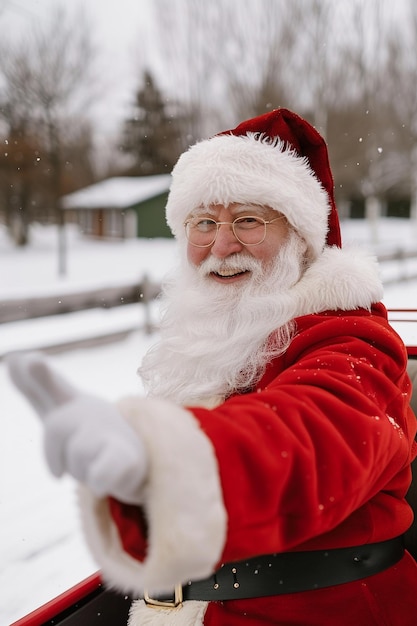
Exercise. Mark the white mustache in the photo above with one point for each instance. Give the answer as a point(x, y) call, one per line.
point(234, 264)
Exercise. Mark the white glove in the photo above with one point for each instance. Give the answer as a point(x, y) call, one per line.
point(85, 436)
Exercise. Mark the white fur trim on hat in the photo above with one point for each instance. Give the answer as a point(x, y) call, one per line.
point(250, 169)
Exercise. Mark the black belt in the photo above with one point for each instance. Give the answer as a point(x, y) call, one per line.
point(290, 572)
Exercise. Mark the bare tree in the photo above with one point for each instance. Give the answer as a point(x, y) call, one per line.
point(363, 132)
point(401, 80)
point(257, 67)
point(46, 87)
point(229, 59)
point(188, 44)
point(244, 57)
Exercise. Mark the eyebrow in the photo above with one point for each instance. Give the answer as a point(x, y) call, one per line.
point(248, 208)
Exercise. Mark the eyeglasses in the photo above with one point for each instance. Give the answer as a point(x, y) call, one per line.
point(249, 230)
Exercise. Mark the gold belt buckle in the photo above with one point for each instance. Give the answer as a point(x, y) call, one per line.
point(165, 604)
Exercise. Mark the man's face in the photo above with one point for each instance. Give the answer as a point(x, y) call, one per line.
point(226, 250)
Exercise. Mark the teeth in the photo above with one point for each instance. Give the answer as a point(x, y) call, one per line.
point(227, 273)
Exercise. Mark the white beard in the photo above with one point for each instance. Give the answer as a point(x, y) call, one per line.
point(217, 339)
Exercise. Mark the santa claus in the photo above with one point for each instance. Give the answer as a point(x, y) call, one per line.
point(263, 478)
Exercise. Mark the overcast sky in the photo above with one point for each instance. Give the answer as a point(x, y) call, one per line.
point(122, 31)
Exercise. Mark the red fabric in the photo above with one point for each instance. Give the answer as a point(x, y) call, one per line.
point(318, 456)
point(132, 526)
point(307, 142)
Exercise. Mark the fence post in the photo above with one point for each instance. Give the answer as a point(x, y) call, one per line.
point(146, 298)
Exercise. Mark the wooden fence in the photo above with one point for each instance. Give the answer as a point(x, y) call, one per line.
point(402, 272)
point(12, 310)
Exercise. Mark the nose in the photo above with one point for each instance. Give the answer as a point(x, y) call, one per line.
point(225, 243)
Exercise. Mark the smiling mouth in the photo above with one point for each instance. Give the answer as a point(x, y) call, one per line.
point(230, 273)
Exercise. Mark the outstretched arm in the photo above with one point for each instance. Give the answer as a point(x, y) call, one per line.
point(84, 436)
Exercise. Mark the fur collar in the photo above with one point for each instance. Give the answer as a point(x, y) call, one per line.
point(340, 279)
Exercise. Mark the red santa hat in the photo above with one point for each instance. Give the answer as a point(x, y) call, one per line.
point(277, 160)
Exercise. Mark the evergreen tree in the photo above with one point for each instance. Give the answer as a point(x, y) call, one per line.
point(152, 135)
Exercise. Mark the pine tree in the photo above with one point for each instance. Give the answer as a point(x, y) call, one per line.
point(152, 135)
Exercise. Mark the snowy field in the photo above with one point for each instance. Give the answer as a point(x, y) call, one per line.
point(42, 552)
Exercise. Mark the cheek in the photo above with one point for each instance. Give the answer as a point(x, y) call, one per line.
point(272, 245)
point(196, 255)
point(272, 252)
point(265, 253)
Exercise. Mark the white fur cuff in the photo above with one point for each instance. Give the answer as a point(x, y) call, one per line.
point(182, 501)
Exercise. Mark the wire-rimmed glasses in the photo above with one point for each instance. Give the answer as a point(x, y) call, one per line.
point(249, 230)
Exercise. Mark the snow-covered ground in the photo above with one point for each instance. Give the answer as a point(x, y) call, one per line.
point(42, 552)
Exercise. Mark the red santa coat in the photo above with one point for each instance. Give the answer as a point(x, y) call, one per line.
point(316, 457)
